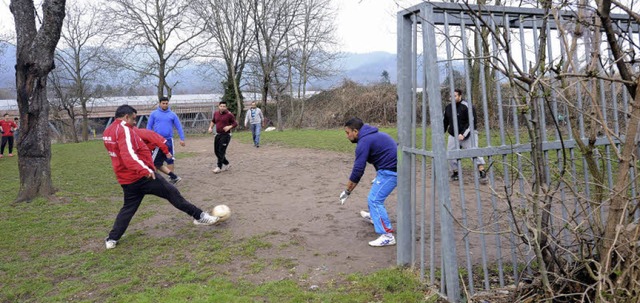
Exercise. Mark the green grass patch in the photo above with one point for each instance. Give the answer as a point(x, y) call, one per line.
point(323, 139)
point(53, 251)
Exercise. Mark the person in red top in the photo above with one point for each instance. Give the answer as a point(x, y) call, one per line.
point(134, 169)
point(7, 127)
point(224, 121)
point(159, 151)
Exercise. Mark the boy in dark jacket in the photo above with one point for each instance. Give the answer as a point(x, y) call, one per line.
point(466, 137)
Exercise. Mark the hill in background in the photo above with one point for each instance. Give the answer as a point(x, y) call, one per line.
point(360, 68)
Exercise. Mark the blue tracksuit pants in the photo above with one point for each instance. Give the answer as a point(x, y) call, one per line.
point(382, 186)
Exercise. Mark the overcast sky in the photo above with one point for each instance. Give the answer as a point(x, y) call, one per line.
point(363, 25)
point(369, 25)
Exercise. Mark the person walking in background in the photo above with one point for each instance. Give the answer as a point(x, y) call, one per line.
point(134, 170)
point(8, 127)
point(467, 137)
point(17, 130)
point(162, 121)
point(380, 150)
point(224, 121)
point(159, 152)
point(256, 119)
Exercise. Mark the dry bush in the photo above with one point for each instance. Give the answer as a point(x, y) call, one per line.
point(374, 103)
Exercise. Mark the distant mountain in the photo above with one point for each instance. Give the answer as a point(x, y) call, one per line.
point(7, 63)
point(190, 79)
point(368, 68)
point(362, 68)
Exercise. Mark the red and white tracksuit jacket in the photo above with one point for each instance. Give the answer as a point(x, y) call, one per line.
point(152, 139)
point(130, 156)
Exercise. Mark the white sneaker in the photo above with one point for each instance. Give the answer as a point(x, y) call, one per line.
point(384, 240)
point(110, 244)
point(366, 215)
point(216, 170)
point(226, 167)
point(206, 219)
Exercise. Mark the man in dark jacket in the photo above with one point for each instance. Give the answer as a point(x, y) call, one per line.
point(467, 137)
point(134, 169)
point(380, 150)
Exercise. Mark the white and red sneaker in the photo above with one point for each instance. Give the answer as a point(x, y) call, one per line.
point(384, 240)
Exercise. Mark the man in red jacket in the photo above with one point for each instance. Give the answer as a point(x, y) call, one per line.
point(7, 127)
point(159, 152)
point(133, 166)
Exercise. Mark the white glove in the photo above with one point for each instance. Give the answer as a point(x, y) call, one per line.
point(343, 196)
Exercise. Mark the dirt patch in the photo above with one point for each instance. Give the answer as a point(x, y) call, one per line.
point(289, 198)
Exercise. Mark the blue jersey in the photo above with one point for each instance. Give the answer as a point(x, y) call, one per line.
point(376, 148)
point(163, 122)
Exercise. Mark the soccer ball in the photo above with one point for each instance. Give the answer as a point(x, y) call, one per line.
point(222, 211)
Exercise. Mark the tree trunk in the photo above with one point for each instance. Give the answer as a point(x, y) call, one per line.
point(279, 114)
point(236, 89)
point(161, 85)
point(34, 60)
point(34, 148)
point(265, 91)
point(303, 98)
point(618, 209)
point(74, 130)
point(85, 121)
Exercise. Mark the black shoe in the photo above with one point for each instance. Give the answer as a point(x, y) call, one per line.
point(176, 180)
point(483, 177)
point(454, 176)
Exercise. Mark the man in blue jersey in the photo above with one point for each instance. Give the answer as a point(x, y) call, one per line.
point(380, 150)
point(162, 121)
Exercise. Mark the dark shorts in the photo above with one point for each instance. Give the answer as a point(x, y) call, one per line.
point(158, 157)
point(169, 144)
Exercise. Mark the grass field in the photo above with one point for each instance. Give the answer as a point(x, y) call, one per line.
point(53, 251)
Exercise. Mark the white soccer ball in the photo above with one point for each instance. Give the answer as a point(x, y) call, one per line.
point(222, 211)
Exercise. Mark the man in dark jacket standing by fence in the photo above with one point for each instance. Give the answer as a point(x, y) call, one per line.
point(467, 136)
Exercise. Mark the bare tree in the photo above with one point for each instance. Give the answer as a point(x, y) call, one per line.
point(34, 60)
point(314, 39)
point(63, 105)
point(160, 36)
point(601, 263)
point(4, 41)
point(273, 21)
point(229, 24)
point(80, 58)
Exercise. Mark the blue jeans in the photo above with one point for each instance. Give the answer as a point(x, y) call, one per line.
point(255, 130)
point(382, 186)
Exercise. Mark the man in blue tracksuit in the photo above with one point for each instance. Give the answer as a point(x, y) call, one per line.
point(380, 150)
point(162, 121)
